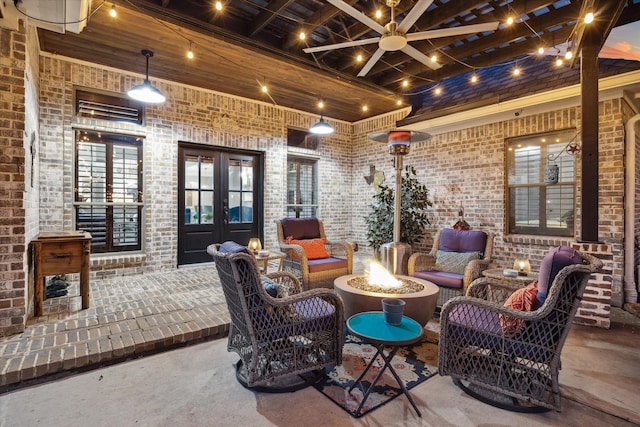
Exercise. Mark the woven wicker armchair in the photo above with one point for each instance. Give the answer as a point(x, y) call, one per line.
point(278, 330)
point(515, 369)
point(474, 249)
point(318, 272)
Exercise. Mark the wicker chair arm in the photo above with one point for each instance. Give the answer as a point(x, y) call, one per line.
point(527, 316)
point(287, 279)
point(339, 248)
point(289, 249)
point(493, 290)
point(420, 261)
point(473, 270)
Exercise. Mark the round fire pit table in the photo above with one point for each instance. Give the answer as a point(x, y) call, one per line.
point(420, 305)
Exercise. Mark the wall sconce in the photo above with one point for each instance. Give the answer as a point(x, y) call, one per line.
point(522, 266)
point(552, 170)
point(254, 245)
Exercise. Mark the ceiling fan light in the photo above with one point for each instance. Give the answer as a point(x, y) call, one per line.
point(392, 42)
point(321, 128)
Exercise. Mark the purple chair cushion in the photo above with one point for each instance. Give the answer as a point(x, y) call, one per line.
point(301, 228)
point(324, 264)
point(462, 240)
point(231, 247)
point(554, 261)
point(441, 278)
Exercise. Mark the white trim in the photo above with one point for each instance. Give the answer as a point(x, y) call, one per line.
point(609, 88)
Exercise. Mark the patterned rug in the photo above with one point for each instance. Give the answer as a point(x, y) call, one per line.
point(414, 364)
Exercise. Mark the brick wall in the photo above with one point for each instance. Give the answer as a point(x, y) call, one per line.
point(13, 57)
point(190, 115)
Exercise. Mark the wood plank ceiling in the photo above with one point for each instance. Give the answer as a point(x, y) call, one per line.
point(251, 42)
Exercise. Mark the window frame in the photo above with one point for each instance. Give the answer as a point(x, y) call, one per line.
point(552, 144)
point(299, 208)
point(109, 243)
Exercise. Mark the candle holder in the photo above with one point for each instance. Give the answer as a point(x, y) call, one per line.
point(522, 266)
point(254, 245)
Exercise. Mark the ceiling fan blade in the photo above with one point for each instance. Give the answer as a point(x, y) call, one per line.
point(419, 56)
point(341, 45)
point(372, 61)
point(413, 15)
point(358, 15)
point(454, 31)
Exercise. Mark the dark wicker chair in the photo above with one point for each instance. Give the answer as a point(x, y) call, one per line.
point(474, 249)
point(514, 369)
point(278, 331)
point(313, 273)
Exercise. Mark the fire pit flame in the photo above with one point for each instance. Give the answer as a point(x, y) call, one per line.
point(377, 275)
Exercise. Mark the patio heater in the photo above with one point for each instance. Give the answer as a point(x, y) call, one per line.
point(395, 255)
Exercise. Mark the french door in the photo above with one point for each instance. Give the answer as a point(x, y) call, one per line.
point(220, 198)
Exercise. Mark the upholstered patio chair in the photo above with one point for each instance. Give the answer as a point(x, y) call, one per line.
point(312, 258)
point(277, 330)
point(503, 354)
point(457, 258)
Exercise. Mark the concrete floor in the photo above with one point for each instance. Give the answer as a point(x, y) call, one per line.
point(195, 385)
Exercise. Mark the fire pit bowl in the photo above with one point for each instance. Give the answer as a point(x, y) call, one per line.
point(420, 305)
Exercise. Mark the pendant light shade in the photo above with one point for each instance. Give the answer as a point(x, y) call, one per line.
point(321, 128)
point(146, 92)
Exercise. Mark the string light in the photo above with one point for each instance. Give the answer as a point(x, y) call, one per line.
point(434, 57)
point(405, 83)
point(321, 104)
point(359, 58)
point(559, 62)
point(190, 51)
point(378, 14)
point(510, 20)
point(588, 18)
point(516, 71)
point(438, 91)
point(365, 108)
point(302, 35)
point(399, 102)
point(113, 12)
point(264, 88)
point(540, 50)
point(474, 78)
point(568, 55)
point(218, 5)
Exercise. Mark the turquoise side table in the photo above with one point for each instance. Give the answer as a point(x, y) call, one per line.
point(370, 326)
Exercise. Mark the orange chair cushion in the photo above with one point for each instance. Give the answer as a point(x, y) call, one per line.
point(314, 248)
point(523, 300)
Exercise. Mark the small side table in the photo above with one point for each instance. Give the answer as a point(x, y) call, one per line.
point(497, 273)
point(371, 327)
point(273, 255)
point(60, 253)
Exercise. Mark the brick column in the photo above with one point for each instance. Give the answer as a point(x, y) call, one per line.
point(12, 167)
point(595, 308)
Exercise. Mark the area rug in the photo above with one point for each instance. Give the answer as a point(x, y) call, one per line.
point(414, 364)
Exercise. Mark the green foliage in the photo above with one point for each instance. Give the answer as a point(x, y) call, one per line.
point(413, 215)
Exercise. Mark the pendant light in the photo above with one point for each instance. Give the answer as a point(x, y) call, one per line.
point(146, 92)
point(321, 128)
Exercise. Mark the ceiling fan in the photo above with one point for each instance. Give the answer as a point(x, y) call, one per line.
point(394, 36)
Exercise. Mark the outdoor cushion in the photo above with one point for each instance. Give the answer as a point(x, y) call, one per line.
point(324, 264)
point(554, 261)
point(441, 278)
point(233, 248)
point(314, 248)
point(462, 240)
point(300, 228)
point(454, 262)
point(523, 299)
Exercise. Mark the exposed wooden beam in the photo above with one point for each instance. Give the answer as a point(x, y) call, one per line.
point(267, 15)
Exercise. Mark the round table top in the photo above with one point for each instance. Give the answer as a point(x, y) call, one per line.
point(372, 327)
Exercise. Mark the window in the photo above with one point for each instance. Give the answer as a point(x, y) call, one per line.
point(108, 190)
point(302, 184)
point(302, 139)
point(535, 207)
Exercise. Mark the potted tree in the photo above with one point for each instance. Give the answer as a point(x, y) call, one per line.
point(413, 213)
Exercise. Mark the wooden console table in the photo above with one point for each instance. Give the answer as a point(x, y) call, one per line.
point(60, 253)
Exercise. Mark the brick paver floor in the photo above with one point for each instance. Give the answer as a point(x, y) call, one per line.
point(128, 316)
